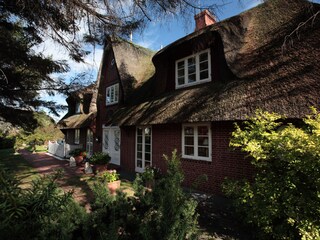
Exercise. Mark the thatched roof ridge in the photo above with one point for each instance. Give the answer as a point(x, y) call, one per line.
point(265, 77)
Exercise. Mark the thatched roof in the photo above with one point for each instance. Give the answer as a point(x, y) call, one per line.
point(77, 121)
point(266, 75)
point(87, 96)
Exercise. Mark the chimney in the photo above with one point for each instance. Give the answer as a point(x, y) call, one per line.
point(203, 19)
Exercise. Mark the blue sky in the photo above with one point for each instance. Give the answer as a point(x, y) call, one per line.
point(155, 36)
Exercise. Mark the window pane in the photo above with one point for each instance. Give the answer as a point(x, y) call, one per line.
point(188, 130)
point(204, 75)
point(139, 155)
point(203, 152)
point(147, 156)
point(181, 72)
point(181, 64)
point(139, 139)
point(203, 141)
point(147, 148)
point(139, 131)
point(203, 57)
point(191, 61)
point(108, 100)
point(139, 163)
point(181, 80)
point(147, 164)
point(189, 141)
point(147, 131)
point(203, 66)
point(147, 140)
point(203, 130)
point(192, 78)
point(189, 151)
point(111, 94)
point(139, 147)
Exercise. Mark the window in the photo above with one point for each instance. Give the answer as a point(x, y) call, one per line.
point(112, 94)
point(77, 107)
point(196, 141)
point(193, 70)
point(77, 136)
point(143, 148)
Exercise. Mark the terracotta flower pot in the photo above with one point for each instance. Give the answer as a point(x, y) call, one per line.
point(78, 159)
point(113, 186)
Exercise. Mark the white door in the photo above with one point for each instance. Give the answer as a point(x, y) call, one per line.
point(111, 143)
point(143, 148)
point(89, 145)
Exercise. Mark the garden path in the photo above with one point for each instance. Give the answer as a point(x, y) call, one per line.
point(72, 178)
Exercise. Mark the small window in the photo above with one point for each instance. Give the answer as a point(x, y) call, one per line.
point(112, 94)
point(77, 107)
point(196, 141)
point(193, 70)
point(77, 136)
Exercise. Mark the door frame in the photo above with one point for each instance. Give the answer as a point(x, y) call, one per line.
point(104, 127)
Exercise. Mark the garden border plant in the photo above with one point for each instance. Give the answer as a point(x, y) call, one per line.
point(283, 201)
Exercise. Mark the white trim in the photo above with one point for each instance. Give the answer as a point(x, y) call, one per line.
point(114, 99)
point(185, 60)
point(138, 169)
point(195, 142)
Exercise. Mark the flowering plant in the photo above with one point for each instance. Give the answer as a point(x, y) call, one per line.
point(109, 176)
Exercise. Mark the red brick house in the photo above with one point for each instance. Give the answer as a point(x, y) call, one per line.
point(203, 83)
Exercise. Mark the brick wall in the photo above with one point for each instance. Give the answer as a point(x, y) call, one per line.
point(225, 161)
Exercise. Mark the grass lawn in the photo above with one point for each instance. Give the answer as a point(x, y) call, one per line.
point(39, 148)
point(15, 163)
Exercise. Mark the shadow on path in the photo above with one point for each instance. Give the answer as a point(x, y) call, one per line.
point(72, 177)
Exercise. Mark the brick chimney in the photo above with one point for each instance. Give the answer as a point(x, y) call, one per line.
point(203, 19)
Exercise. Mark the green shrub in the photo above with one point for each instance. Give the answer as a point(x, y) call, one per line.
point(165, 213)
point(283, 201)
point(100, 158)
point(40, 212)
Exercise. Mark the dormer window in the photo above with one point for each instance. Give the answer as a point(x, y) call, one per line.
point(112, 94)
point(194, 69)
point(77, 107)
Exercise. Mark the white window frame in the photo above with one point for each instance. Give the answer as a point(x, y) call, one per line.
point(113, 91)
point(138, 169)
point(77, 136)
point(195, 142)
point(198, 81)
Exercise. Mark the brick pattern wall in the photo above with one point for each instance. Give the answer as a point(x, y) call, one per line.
point(225, 161)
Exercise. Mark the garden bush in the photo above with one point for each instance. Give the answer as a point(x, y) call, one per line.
point(166, 212)
point(38, 212)
point(283, 201)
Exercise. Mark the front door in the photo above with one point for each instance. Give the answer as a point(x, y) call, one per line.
point(143, 148)
point(111, 143)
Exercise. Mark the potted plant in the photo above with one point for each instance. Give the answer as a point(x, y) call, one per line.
point(111, 178)
point(78, 155)
point(99, 160)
